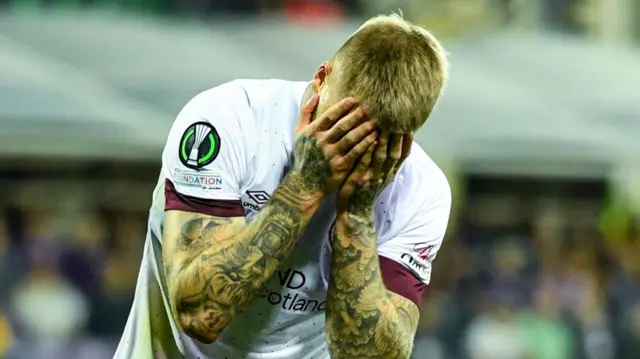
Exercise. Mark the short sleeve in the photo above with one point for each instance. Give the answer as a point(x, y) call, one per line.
point(204, 159)
point(415, 246)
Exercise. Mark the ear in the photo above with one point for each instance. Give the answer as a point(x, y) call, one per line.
point(320, 77)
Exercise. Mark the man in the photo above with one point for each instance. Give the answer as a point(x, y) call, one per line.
point(287, 222)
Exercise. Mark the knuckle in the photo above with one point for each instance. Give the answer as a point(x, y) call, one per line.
point(351, 138)
point(340, 163)
point(370, 138)
point(343, 127)
point(328, 119)
point(327, 150)
point(347, 103)
point(370, 125)
point(358, 113)
point(321, 139)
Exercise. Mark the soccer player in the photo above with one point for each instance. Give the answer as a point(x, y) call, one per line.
point(298, 220)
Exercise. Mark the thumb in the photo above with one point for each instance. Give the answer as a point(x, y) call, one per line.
point(307, 110)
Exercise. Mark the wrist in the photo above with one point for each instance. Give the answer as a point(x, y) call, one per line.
point(359, 209)
point(309, 195)
point(350, 216)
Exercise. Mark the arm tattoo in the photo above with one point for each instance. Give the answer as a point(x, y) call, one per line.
point(364, 320)
point(217, 267)
point(310, 161)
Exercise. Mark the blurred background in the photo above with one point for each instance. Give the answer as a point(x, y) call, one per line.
point(539, 134)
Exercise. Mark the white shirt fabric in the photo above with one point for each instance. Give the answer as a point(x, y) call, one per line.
point(255, 120)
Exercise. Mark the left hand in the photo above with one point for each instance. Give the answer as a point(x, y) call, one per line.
point(372, 173)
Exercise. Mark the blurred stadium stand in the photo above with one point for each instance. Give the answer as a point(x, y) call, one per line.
point(538, 131)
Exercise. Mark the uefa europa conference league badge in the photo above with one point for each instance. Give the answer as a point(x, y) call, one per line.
point(199, 145)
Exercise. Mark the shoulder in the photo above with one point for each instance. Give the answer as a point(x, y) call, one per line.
point(219, 131)
point(237, 109)
point(245, 94)
point(245, 105)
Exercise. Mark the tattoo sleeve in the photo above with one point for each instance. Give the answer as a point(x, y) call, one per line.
point(215, 266)
point(364, 320)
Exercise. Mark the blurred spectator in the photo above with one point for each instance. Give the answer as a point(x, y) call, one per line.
point(11, 262)
point(6, 336)
point(49, 312)
point(629, 333)
point(496, 333)
point(584, 300)
point(313, 10)
point(547, 335)
point(202, 8)
point(427, 343)
point(120, 274)
point(81, 259)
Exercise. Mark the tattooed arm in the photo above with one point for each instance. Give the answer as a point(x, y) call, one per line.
point(364, 319)
point(215, 266)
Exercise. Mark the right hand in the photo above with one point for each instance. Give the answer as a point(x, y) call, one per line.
point(326, 149)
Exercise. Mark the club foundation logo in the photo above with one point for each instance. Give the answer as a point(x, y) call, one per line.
point(199, 145)
point(203, 181)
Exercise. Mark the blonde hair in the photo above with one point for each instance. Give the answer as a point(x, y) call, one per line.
point(397, 70)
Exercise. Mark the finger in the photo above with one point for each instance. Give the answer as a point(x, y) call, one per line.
point(361, 170)
point(365, 160)
point(407, 142)
point(307, 111)
point(394, 156)
point(333, 114)
point(361, 149)
point(354, 136)
point(380, 155)
point(394, 152)
point(346, 124)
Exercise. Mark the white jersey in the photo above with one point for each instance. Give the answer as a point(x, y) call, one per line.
point(234, 144)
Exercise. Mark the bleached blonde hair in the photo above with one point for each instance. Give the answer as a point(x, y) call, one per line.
point(397, 70)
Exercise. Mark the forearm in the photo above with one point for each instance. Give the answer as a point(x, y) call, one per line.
point(364, 320)
point(224, 276)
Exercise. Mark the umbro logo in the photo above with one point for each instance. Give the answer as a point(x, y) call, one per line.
point(257, 199)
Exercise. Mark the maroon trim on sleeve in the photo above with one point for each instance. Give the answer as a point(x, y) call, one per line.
point(212, 207)
point(401, 281)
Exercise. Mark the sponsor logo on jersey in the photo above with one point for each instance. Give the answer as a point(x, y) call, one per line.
point(420, 267)
point(257, 200)
point(288, 296)
point(199, 145)
point(204, 181)
point(424, 251)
